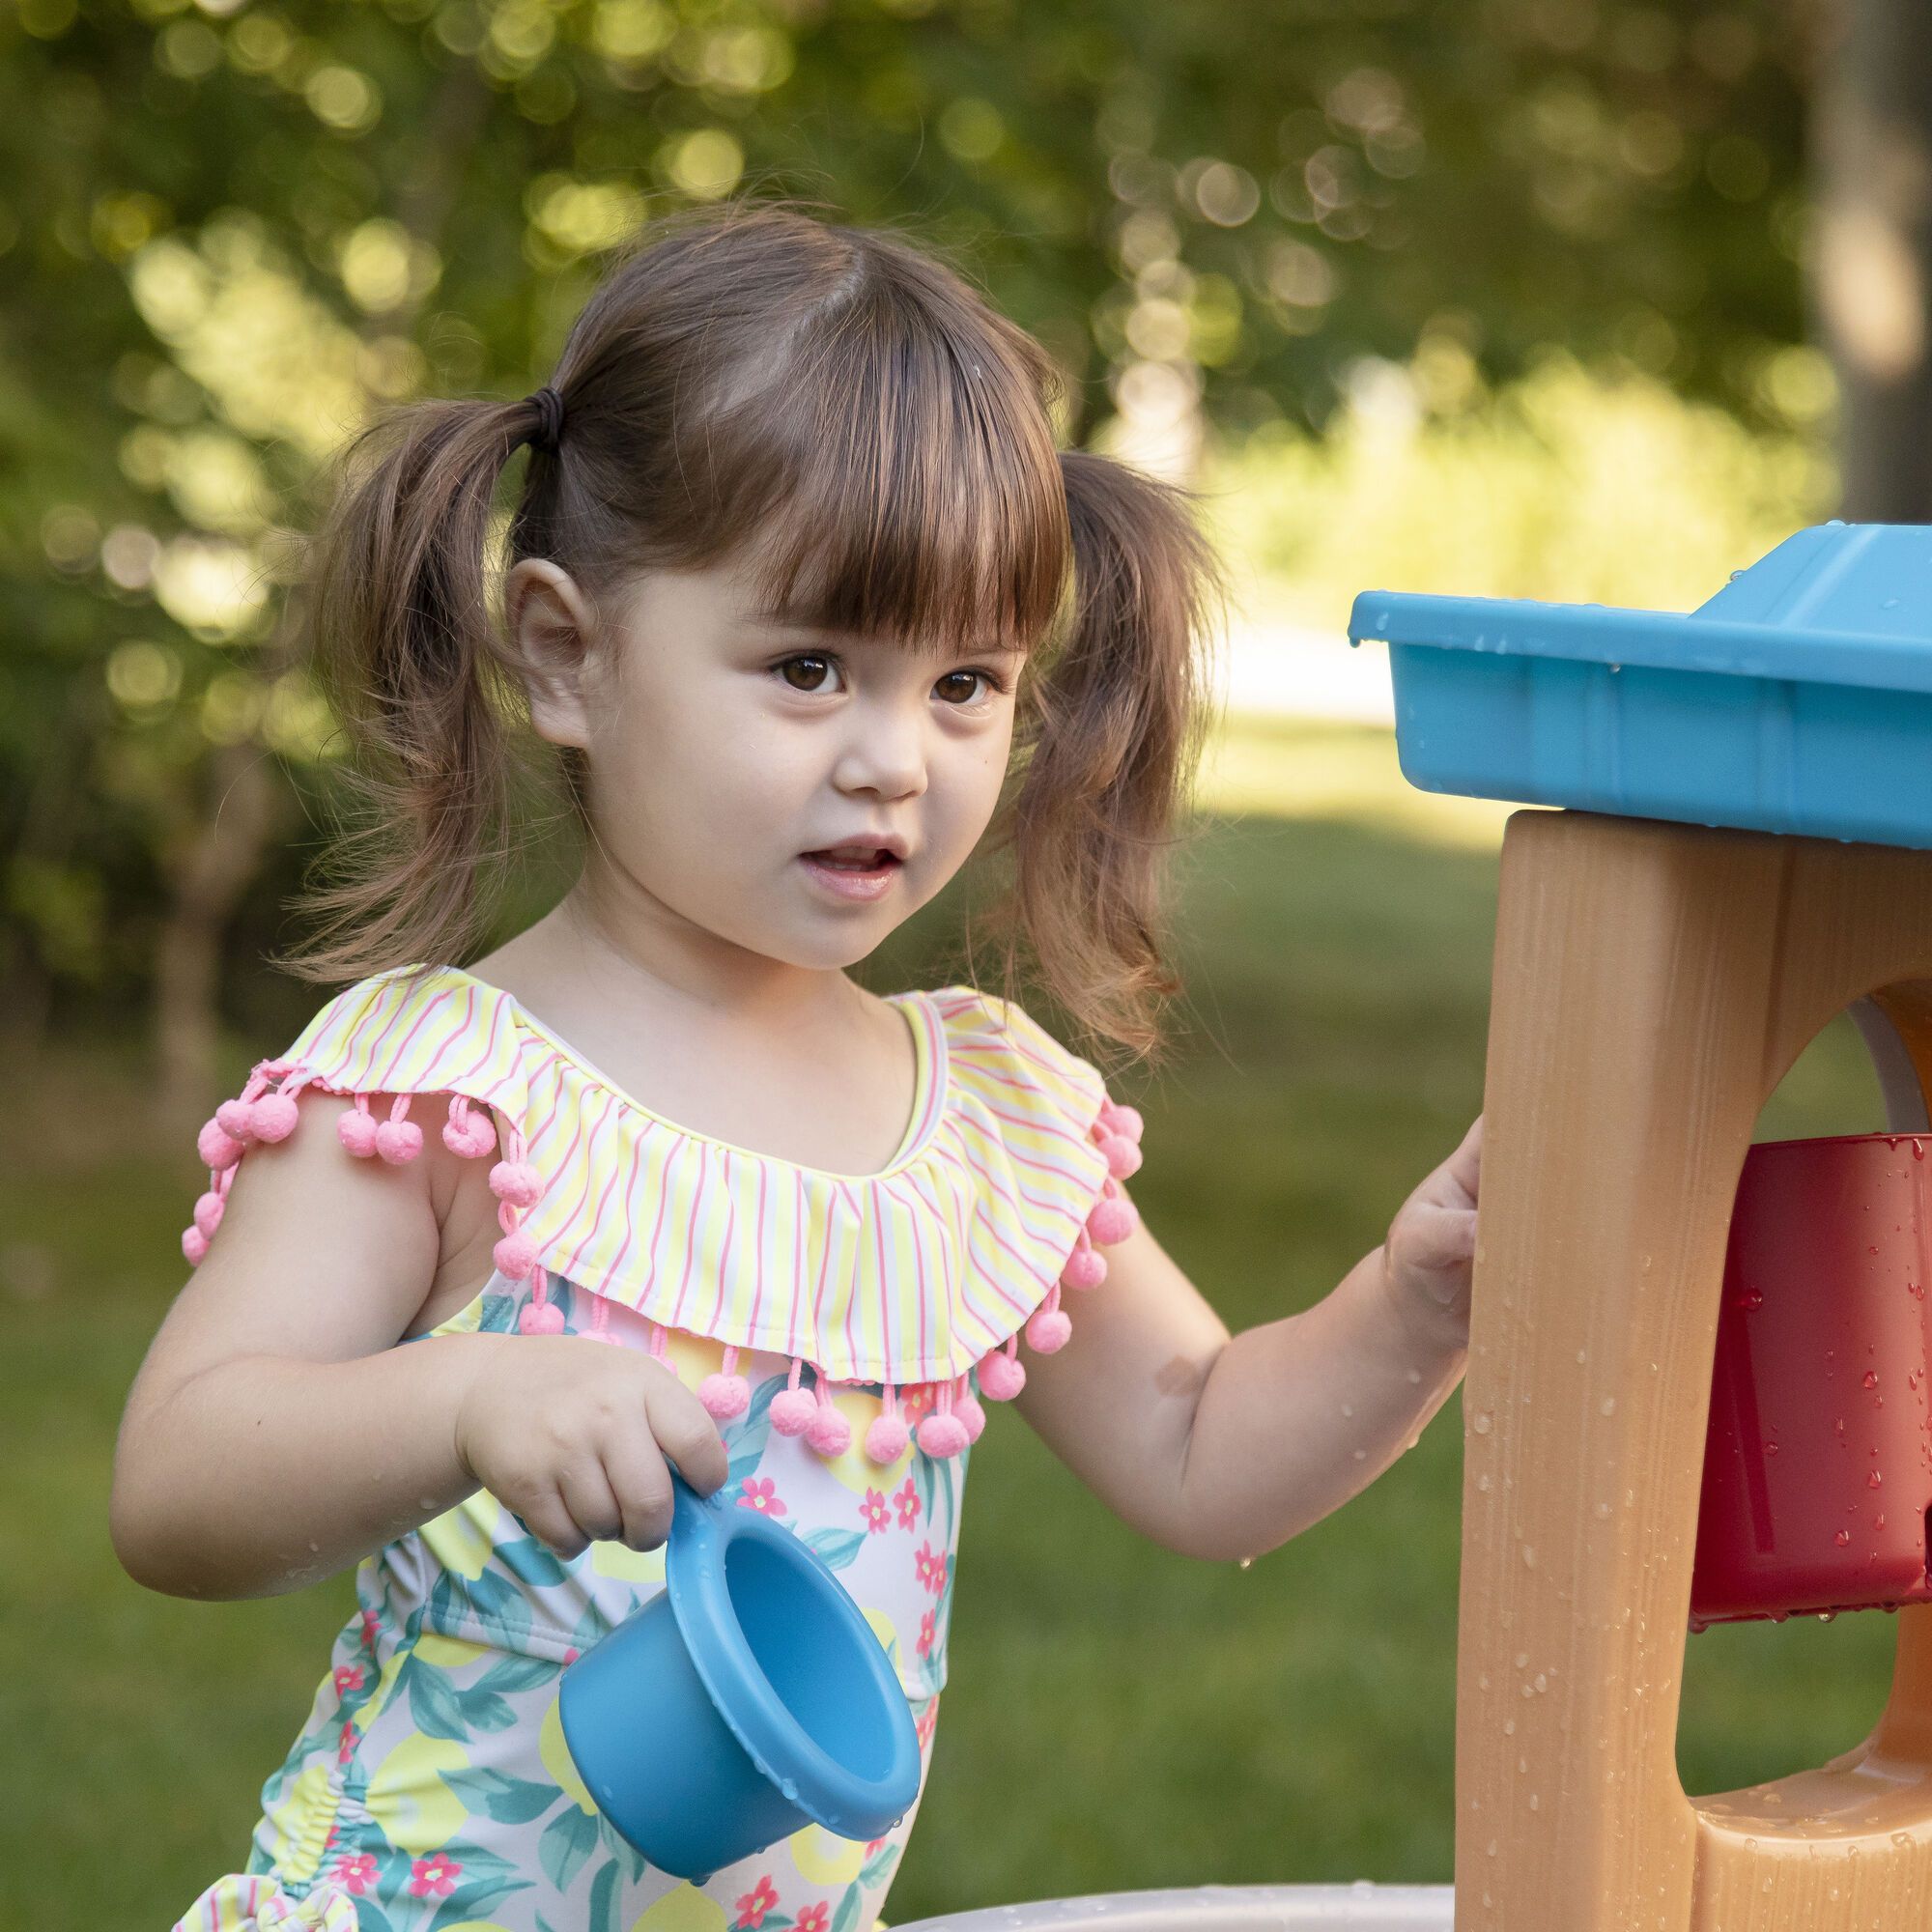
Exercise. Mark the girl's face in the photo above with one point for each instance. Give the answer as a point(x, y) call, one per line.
point(793, 793)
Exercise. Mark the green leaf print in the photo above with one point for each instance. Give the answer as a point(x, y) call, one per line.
point(491, 1603)
point(433, 1702)
point(603, 1915)
point(510, 1801)
point(371, 1918)
point(745, 1438)
point(475, 1899)
point(567, 1840)
point(848, 1915)
point(529, 1562)
point(837, 1547)
point(517, 1673)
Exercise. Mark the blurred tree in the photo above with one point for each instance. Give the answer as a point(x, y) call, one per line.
point(1874, 258)
point(229, 227)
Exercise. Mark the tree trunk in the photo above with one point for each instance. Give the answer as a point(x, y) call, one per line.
point(1873, 261)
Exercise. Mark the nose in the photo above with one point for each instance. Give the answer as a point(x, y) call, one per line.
point(884, 753)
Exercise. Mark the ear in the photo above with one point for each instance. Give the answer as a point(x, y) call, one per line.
point(553, 627)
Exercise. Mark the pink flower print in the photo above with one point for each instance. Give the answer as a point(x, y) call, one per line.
point(335, 1832)
point(345, 1745)
point(923, 1725)
point(873, 1845)
point(927, 1633)
point(355, 1871)
point(753, 1905)
point(348, 1677)
point(372, 1624)
point(433, 1877)
point(907, 1498)
point(815, 1917)
point(874, 1509)
point(932, 1566)
point(758, 1496)
point(915, 1401)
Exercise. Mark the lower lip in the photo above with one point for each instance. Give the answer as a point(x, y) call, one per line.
point(851, 882)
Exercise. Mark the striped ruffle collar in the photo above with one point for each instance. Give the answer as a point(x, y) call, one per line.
point(1008, 1176)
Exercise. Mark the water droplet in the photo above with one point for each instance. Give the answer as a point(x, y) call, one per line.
point(1771, 1448)
point(1873, 1480)
point(1247, 1563)
point(1750, 1300)
point(1871, 1379)
point(1522, 1660)
point(1603, 1511)
point(1529, 1556)
point(1347, 1410)
point(1482, 1423)
point(1844, 1537)
point(1608, 1405)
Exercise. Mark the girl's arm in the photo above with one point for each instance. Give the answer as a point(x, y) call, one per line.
point(1223, 1447)
point(273, 1435)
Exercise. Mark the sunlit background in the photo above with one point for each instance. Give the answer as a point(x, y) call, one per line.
point(1564, 299)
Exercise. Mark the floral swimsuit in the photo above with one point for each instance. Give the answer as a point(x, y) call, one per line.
point(430, 1789)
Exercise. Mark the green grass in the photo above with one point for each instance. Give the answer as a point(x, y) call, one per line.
point(1116, 1716)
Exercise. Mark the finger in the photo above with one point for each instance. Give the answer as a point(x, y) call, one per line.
point(642, 1484)
point(1441, 1242)
point(586, 1494)
point(1464, 1167)
point(549, 1519)
point(682, 1429)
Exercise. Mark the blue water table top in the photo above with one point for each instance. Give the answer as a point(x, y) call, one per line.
point(1799, 698)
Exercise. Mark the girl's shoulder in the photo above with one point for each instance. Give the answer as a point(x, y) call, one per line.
point(1009, 1174)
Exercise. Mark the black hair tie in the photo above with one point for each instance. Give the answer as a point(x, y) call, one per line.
point(550, 419)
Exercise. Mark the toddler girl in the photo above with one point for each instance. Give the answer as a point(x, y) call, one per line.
point(803, 592)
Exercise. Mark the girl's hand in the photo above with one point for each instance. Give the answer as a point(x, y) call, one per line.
point(572, 1436)
point(1432, 1247)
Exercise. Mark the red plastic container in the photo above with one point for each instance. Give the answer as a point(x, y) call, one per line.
point(1818, 1461)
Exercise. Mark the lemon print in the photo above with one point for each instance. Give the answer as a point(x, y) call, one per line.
point(448, 1653)
point(626, 1565)
point(684, 1910)
point(883, 1628)
point(557, 1759)
point(408, 1797)
point(826, 1859)
point(297, 1807)
point(459, 1538)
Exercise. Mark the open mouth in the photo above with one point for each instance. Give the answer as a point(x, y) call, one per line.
point(852, 871)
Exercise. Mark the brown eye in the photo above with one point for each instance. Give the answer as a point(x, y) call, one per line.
point(956, 686)
point(805, 672)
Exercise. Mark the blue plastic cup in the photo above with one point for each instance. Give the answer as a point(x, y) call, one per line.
point(747, 1698)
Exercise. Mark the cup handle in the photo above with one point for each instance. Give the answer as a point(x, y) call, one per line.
point(688, 1509)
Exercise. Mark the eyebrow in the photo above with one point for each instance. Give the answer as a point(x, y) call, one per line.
point(780, 619)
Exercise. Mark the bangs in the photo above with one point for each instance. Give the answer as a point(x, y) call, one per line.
point(900, 470)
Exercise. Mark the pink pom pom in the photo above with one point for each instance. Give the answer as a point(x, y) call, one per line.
point(357, 1131)
point(967, 1408)
point(275, 1117)
point(1123, 1157)
point(1084, 1268)
point(1122, 1120)
point(886, 1438)
point(943, 1435)
point(829, 1432)
point(237, 1118)
point(1113, 1219)
point(516, 1254)
point(207, 1213)
point(792, 1412)
point(398, 1140)
point(1047, 1330)
point(539, 1318)
point(194, 1246)
point(472, 1137)
point(1002, 1376)
point(516, 1181)
point(724, 1396)
point(217, 1147)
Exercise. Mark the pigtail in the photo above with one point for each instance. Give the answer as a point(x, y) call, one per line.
point(402, 637)
point(1110, 740)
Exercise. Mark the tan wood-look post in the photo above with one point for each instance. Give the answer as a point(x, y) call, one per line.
point(1653, 984)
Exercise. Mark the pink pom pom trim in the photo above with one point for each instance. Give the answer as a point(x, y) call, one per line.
point(942, 1432)
point(471, 1135)
point(725, 1394)
point(1002, 1373)
point(217, 1146)
point(356, 1130)
point(793, 1408)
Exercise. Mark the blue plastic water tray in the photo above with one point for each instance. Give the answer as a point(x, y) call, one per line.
point(1797, 700)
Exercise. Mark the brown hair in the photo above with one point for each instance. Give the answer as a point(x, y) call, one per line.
point(749, 366)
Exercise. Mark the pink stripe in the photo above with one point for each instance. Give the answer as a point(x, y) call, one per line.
point(530, 1083)
point(657, 1226)
point(403, 1045)
point(824, 1256)
point(489, 1052)
point(630, 1196)
point(731, 1228)
point(990, 1275)
point(805, 1231)
point(758, 1255)
point(569, 1218)
point(885, 1304)
point(590, 1166)
point(935, 1070)
point(946, 1219)
point(690, 1236)
point(1002, 1193)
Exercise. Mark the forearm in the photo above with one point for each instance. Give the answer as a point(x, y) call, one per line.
point(1297, 1415)
point(267, 1473)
